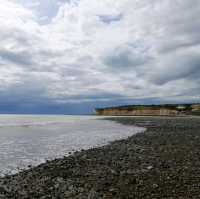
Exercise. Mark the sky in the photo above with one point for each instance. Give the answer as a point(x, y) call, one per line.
point(70, 56)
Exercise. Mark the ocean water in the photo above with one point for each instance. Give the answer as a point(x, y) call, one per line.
point(33, 139)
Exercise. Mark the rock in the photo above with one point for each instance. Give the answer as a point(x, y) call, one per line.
point(155, 186)
point(113, 172)
point(3, 190)
point(113, 191)
point(93, 194)
point(150, 167)
point(67, 193)
point(80, 190)
point(71, 188)
point(130, 171)
point(57, 185)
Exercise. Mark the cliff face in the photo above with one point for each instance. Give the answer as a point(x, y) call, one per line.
point(137, 112)
point(154, 110)
point(196, 107)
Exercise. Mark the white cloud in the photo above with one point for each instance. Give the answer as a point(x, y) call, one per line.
point(151, 50)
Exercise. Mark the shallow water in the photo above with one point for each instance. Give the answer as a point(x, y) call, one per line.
point(32, 139)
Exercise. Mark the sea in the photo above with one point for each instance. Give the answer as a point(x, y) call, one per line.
point(32, 139)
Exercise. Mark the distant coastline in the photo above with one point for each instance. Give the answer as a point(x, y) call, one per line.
point(151, 110)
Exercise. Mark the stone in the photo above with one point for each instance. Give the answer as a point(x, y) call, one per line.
point(150, 167)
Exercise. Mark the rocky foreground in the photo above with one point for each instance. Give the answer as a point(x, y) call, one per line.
point(163, 162)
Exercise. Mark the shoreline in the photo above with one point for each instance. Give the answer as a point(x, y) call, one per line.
point(162, 162)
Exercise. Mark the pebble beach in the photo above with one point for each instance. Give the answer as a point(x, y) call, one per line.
point(162, 162)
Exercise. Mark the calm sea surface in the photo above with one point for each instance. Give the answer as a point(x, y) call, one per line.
point(32, 139)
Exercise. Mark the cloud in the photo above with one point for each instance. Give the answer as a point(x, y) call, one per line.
point(16, 57)
point(86, 51)
point(124, 57)
point(110, 18)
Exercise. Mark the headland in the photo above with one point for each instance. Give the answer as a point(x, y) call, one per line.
point(151, 110)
